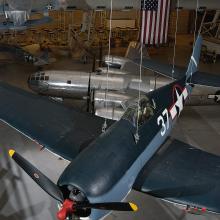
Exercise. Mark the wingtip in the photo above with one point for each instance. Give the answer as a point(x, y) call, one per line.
point(134, 207)
point(11, 152)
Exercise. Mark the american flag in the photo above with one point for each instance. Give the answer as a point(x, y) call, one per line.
point(154, 21)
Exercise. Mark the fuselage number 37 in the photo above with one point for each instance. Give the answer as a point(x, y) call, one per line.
point(163, 120)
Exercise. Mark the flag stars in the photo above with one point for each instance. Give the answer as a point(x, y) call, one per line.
point(149, 5)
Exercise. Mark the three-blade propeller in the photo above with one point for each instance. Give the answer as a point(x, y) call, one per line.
point(69, 207)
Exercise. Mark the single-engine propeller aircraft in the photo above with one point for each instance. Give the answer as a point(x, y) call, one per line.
point(105, 166)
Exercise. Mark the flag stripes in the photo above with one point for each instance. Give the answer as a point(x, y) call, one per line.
point(154, 21)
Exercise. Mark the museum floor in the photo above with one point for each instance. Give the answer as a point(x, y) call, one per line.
point(22, 199)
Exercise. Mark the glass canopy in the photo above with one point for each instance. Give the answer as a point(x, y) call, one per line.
point(139, 114)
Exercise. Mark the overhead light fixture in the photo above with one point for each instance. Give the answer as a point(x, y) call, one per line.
point(128, 8)
point(202, 8)
point(71, 8)
point(100, 8)
point(179, 8)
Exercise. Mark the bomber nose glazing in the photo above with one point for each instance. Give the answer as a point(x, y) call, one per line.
point(37, 81)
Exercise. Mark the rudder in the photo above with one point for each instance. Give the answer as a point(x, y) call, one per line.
point(194, 61)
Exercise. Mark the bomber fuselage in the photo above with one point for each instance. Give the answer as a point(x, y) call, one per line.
point(74, 84)
point(122, 86)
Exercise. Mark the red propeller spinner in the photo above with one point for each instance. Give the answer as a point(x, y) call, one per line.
point(67, 209)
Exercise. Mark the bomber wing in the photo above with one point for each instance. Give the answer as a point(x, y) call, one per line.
point(133, 53)
point(199, 78)
point(131, 67)
point(182, 174)
point(62, 130)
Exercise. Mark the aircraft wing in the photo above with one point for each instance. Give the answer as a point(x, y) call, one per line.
point(199, 78)
point(131, 67)
point(62, 130)
point(182, 174)
point(36, 22)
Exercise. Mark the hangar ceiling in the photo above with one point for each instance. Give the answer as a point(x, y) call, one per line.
point(118, 5)
point(126, 4)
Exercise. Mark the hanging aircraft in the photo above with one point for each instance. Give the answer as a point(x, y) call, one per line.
point(39, 59)
point(16, 14)
point(123, 84)
point(105, 166)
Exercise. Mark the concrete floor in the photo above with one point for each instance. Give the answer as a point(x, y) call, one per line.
point(22, 199)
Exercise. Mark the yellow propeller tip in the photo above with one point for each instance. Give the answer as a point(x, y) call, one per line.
point(11, 153)
point(133, 206)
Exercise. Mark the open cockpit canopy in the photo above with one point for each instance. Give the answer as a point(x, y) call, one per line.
point(139, 110)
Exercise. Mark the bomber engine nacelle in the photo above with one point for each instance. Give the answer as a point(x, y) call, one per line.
point(115, 61)
point(115, 102)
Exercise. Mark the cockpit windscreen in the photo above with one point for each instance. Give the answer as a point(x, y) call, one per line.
point(139, 114)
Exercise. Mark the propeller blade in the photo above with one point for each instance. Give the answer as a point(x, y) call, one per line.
point(70, 207)
point(45, 183)
point(89, 94)
point(114, 206)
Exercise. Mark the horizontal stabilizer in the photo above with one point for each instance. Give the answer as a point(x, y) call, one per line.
point(206, 79)
point(198, 78)
point(161, 68)
point(183, 174)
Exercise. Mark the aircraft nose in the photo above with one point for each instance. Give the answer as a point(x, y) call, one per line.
point(37, 82)
point(33, 83)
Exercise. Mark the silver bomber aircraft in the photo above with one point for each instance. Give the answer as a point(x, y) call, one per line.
point(123, 84)
point(106, 166)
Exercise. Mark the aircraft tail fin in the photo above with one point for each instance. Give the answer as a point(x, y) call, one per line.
point(134, 50)
point(194, 60)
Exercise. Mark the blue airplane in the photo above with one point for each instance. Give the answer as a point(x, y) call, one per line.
point(106, 166)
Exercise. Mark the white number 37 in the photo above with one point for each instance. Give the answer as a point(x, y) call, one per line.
point(161, 122)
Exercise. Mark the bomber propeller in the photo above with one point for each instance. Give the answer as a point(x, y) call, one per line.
point(90, 91)
point(69, 207)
